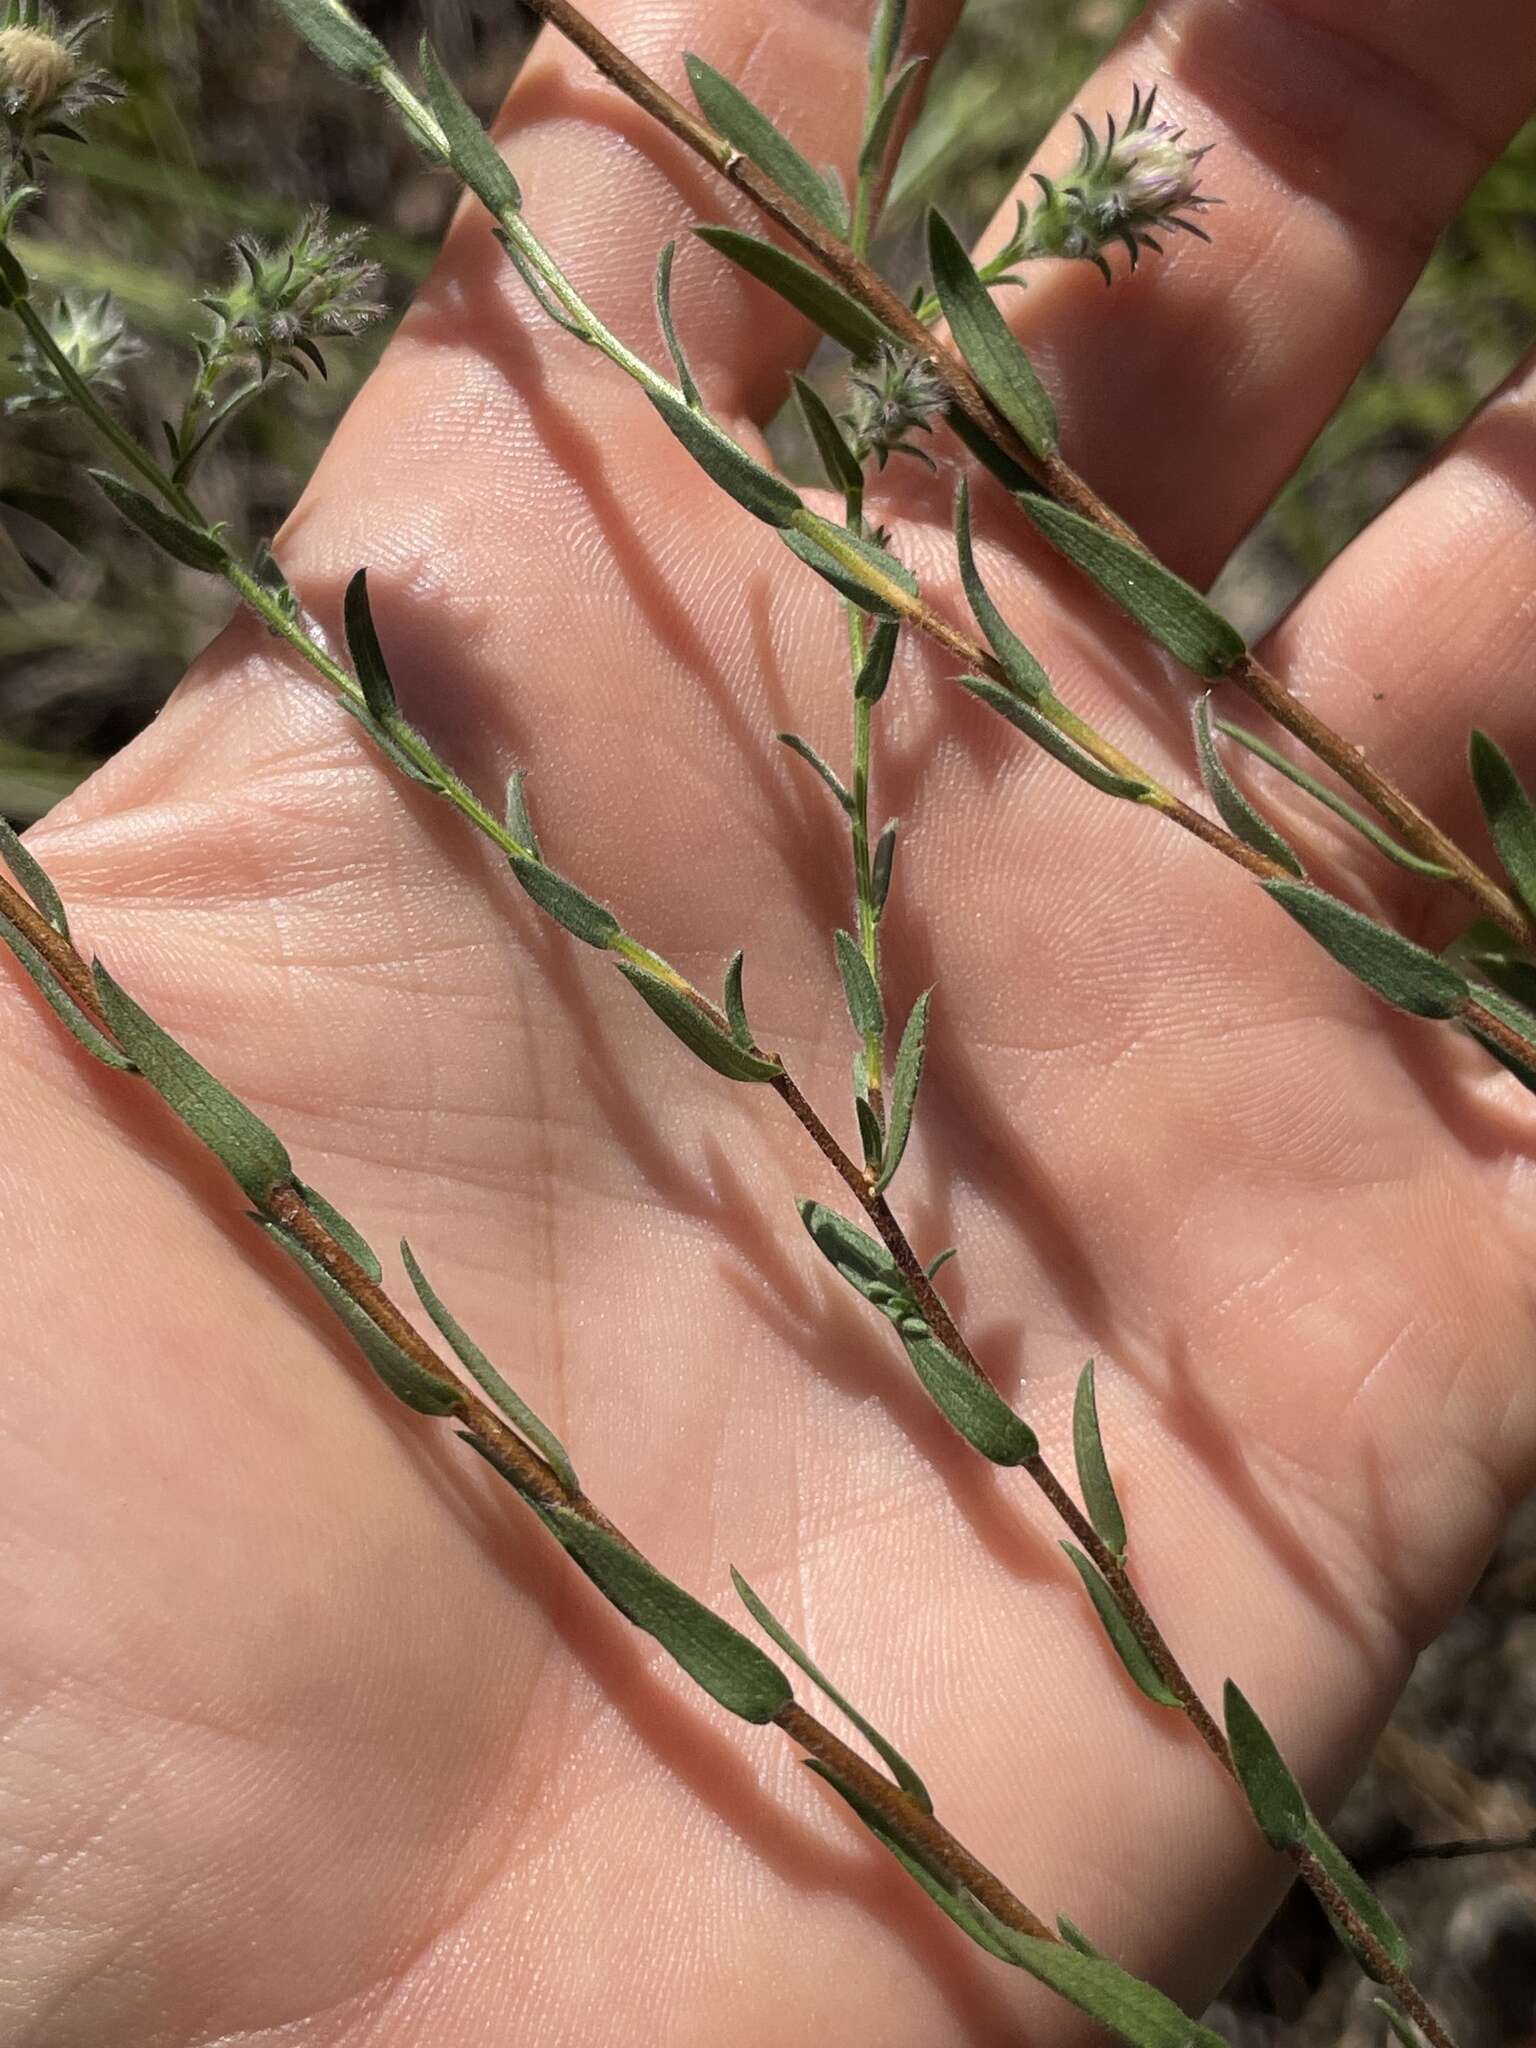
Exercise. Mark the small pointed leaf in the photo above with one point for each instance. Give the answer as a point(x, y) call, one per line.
point(346, 1234)
point(1074, 1936)
point(871, 1135)
point(1366, 826)
point(735, 1007)
point(1364, 1903)
point(1093, 1476)
point(837, 458)
point(1404, 974)
point(519, 822)
point(986, 341)
point(874, 674)
point(878, 137)
point(1510, 813)
point(702, 1036)
point(406, 1379)
point(867, 580)
point(333, 32)
point(1171, 610)
point(475, 157)
point(747, 128)
point(1233, 808)
point(860, 988)
point(664, 261)
point(582, 915)
point(367, 655)
point(729, 1667)
point(1399, 2022)
point(169, 532)
point(253, 1153)
point(755, 489)
point(1019, 665)
point(1141, 2015)
point(512, 1405)
point(815, 297)
point(1278, 1803)
point(812, 759)
point(29, 872)
point(968, 1403)
point(1138, 1664)
point(1038, 727)
point(880, 866)
point(861, 1260)
point(775, 1630)
point(61, 1002)
point(904, 1085)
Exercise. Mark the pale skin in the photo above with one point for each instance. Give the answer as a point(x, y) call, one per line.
point(311, 1736)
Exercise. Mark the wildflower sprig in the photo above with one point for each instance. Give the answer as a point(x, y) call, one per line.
point(48, 80)
point(89, 332)
point(1078, 523)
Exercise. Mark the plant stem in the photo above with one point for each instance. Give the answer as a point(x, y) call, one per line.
point(285, 1206)
point(861, 282)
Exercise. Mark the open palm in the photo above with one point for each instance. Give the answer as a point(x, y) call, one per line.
point(311, 1734)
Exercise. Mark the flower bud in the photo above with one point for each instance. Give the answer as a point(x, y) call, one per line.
point(35, 69)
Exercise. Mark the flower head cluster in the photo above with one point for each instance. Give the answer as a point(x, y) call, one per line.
point(46, 80)
point(892, 396)
point(88, 332)
point(1128, 186)
point(284, 301)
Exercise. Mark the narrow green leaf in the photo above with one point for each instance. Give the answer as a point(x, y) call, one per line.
point(1321, 793)
point(1234, 809)
point(812, 759)
point(702, 1036)
point(1404, 974)
point(874, 674)
point(1038, 727)
point(1138, 1664)
point(1139, 2014)
point(426, 1392)
point(877, 138)
point(824, 548)
point(1010, 474)
point(367, 655)
point(892, 1757)
point(871, 1132)
point(1517, 1018)
point(1367, 1908)
point(747, 128)
point(582, 915)
point(384, 738)
point(538, 291)
point(815, 297)
point(1019, 665)
point(904, 1085)
point(959, 1905)
point(61, 1002)
point(512, 1405)
point(1074, 1936)
point(859, 986)
point(346, 1234)
point(1171, 610)
point(15, 285)
point(1278, 1803)
point(730, 1668)
point(253, 1153)
point(29, 873)
point(1093, 1476)
point(880, 866)
point(668, 330)
point(475, 157)
point(968, 1403)
point(754, 488)
point(519, 822)
point(861, 1260)
point(334, 33)
point(986, 341)
point(735, 1007)
point(1511, 815)
point(1399, 2022)
point(936, 1265)
point(1489, 951)
point(838, 460)
point(169, 533)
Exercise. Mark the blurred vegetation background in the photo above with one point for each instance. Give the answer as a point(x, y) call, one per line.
point(229, 126)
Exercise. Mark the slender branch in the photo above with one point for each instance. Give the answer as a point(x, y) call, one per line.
point(285, 1206)
point(964, 391)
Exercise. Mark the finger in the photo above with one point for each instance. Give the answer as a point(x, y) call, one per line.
point(1346, 133)
point(606, 187)
point(1424, 628)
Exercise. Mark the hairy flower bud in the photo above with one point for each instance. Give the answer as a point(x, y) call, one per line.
point(88, 333)
point(46, 80)
point(891, 397)
point(34, 68)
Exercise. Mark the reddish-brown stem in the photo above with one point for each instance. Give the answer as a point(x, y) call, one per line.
point(1055, 475)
